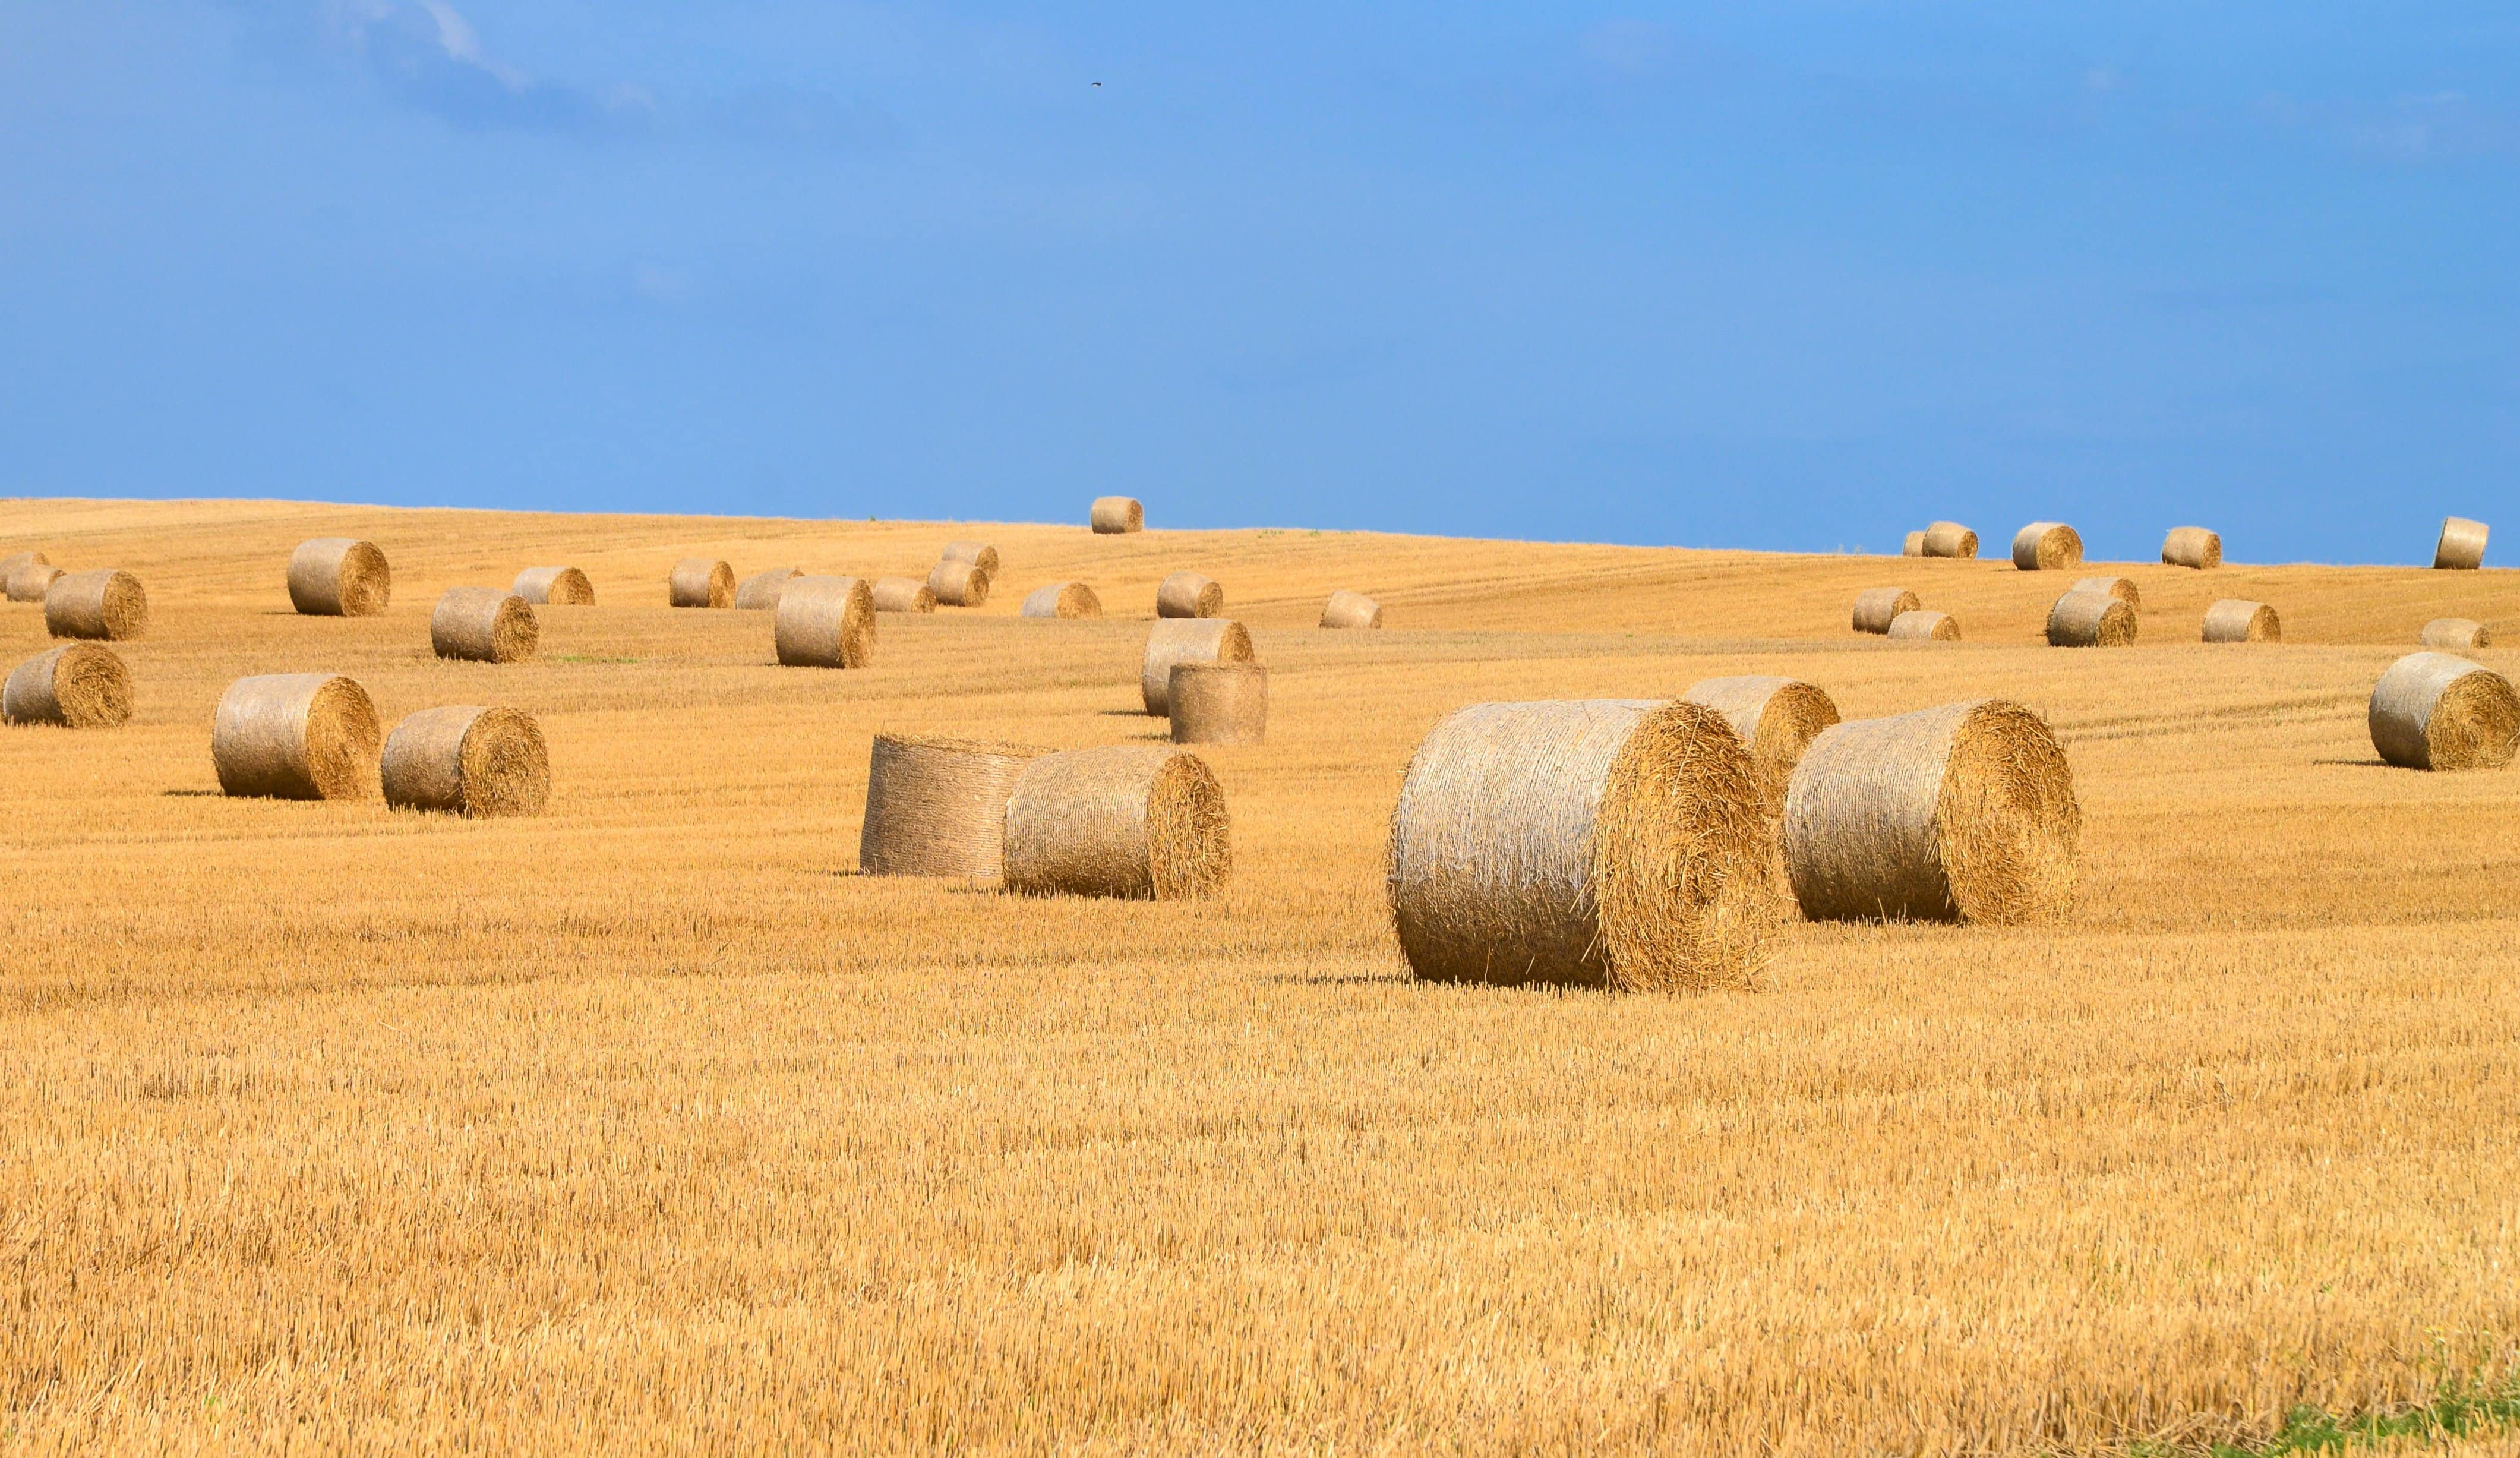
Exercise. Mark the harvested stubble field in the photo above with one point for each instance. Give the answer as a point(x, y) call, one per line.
point(649, 1123)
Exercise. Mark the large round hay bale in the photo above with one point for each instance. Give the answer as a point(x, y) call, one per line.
point(1218, 703)
point(555, 586)
point(979, 554)
point(2462, 544)
point(1204, 640)
point(1351, 610)
point(1950, 540)
point(2234, 621)
point(1925, 626)
point(468, 760)
point(1912, 544)
point(485, 625)
point(1062, 600)
point(1965, 812)
point(17, 560)
point(958, 584)
point(2458, 634)
point(105, 604)
point(2121, 588)
point(339, 577)
point(2192, 546)
point(1142, 821)
point(1113, 513)
point(701, 582)
point(77, 685)
point(1775, 718)
point(2090, 619)
point(825, 623)
point(938, 806)
point(29, 581)
point(1606, 843)
point(2436, 711)
point(295, 736)
point(760, 593)
point(903, 595)
point(1876, 608)
point(2047, 547)
point(1187, 594)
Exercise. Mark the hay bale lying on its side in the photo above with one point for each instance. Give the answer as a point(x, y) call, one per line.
point(1606, 843)
point(77, 685)
point(1118, 514)
point(1218, 703)
point(555, 586)
point(339, 577)
point(1205, 640)
point(1912, 544)
point(107, 603)
point(938, 806)
point(1923, 627)
point(760, 593)
point(2461, 545)
point(1187, 594)
point(29, 581)
point(825, 623)
point(2090, 619)
point(2121, 588)
point(1139, 821)
point(2192, 546)
point(1351, 610)
point(1965, 812)
point(469, 761)
point(1775, 718)
point(1062, 600)
point(1876, 608)
point(958, 584)
point(979, 554)
point(295, 736)
point(483, 625)
point(1950, 540)
point(903, 595)
point(2456, 633)
point(17, 560)
point(2436, 711)
point(2047, 547)
point(2233, 620)
point(701, 582)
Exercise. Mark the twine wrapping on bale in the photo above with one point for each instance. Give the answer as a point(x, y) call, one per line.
point(468, 760)
point(1062, 600)
point(1218, 703)
point(1964, 812)
point(1775, 718)
point(760, 593)
point(1606, 843)
point(2121, 588)
point(1923, 627)
point(2436, 711)
point(1351, 610)
point(1912, 544)
point(1187, 594)
point(1138, 821)
point(295, 736)
point(2047, 547)
point(1876, 608)
point(555, 586)
point(77, 685)
point(979, 554)
point(485, 625)
point(339, 577)
point(1112, 514)
point(2192, 546)
point(2461, 545)
point(958, 584)
point(29, 581)
point(106, 604)
point(701, 582)
point(2461, 633)
point(2233, 620)
point(1205, 640)
point(2090, 619)
point(1950, 540)
point(825, 623)
point(903, 595)
point(938, 806)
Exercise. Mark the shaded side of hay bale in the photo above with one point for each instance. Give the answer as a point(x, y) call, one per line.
point(29, 581)
point(2461, 545)
point(903, 595)
point(2047, 547)
point(485, 625)
point(2458, 634)
point(938, 806)
point(979, 554)
point(1775, 718)
point(1204, 640)
point(701, 582)
point(1606, 842)
point(2090, 619)
point(295, 736)
point(2192, 546)
point(1218, 703)
point(1950, 540)
point(760, 593)
point(958, 584)
point(1118, 514)
point(1351, 610)
point(2436, 710)
point(468, 760)
point(555, 586)
point(339, 577)
point(1923, 627)
point(1876, 608)
point(1965, 812)
point(1188, 594)
point(1141, 821)
point(1912, 544)
point(2121, 588)
point(825, 623)
point(77, 685)
point(108, 603)
point(1062, 600)
point(2234, 621)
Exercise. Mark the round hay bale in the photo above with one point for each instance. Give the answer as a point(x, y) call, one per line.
point(2047, 547)
point(1189, 595)
point(2233, 620)
point(1114, 514)
point(2192, 546)
point(1604, 843)
point(825, 623)
point(2455, 633)
point(701, 582)
point(2461, 546)
point(979, 554)
point(903, 595)
point(1912, 545)
point(2436, 711)
point(107, 603)
point(1062, 600)
point(958, 584)
point(339, 577)
point(29, 581)
point(1139, 821)
point(1965, 812)
point(760, 593)
point(485, 625)
point(17, 560)
point(1218, 703)
point(1775, 718)
point(938, 806)
point(1204, 640)
point(295, 736)
point(555, 586)
point(2121, 588)
point(77, 685)
point(1876, 608)
point(1922, 626)
point(2090, 619)
point(1351, 610)
point(468, 760)
point(1950, 540)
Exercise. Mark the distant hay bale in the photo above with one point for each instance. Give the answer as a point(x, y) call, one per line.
point(2090, 619)
point(1950, 540)
point(1187, 594)
point(903, 595)
point(2233, 620)
point(2121, 588)
point(485, 625)
point(2455, 633)
point(1351, 610)
point(1775, 718)
point(2461, 545)
point(938, 806)
point(468, 760)
point(1138, 821)
point(2047, 547)
point(555, 586)
point(979, 554)
point(29, 581)
point(1606, 843)
point(1876, 608)
point(339, 577)
point(17, 560)
point(77, 685)
point(2436, 710)
point(107, 603)
point(958, 584)
point(760, 593)
point(295, 736)
point(701, 582)
point(1912, 545)
point(825, 623)
point(1218, 703)
point(2192, 546)
point(1113, 513)
point(1062, 600)
point(1204, 640)
point(1965, 812)
point(1923, 627)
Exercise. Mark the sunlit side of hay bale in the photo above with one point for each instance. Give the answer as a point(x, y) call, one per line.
point(2047, 547)
point(295, 736)
point(760, 593)
point(78, 685)
point(1351, 610)
point(2090, 619)
point(339, 577)
point(1188, 594)
point(2436, 710)
point(958, 584)
point(701, 582)
point(1876, 608)
point(2461, 545)
point(483, 625)
point(1062, 600)
point(106, 604)
point(2192, 546)
point(1138, 821)
point(1116, 514)
point(1923, 627)
point(1202, 640)
point(555, 586)
point(824, 622)
point(468, 760)
point(2234, 621)
point(2455, 634)
point(1218, 703)
point(1950, 540)
point(938, 806)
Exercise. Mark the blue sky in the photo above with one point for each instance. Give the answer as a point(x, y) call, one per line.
point(1799, 275)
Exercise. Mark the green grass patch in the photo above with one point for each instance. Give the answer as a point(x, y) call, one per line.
point(2456, 1411)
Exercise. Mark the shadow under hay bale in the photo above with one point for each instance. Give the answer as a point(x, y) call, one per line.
point(1351, 610)
point(2455, 634)
point(2233, 620)
point(29, 581)
point(760, 593)
point(825, 623)
point(1218, 703)
point(903, 595)
point(555, 586)
point(1923, 627)
point(1062, 600)
point(701, 582)
point(2047, 547)
point(979, 554)
point(295, 736)
point(1135, 821)
point(468, 760)
point(78, 685)
point(339, 577)
point(2436, 710)
point(2192, 546)
point(938, 806)
point(1117, 513)
point(2090, 619)
point(1950, 540)
point(108, 603)
point(1204, 640)
point(1876, 608)
point(2121, 588)
point(958, 584)
point(2461, 545)
point(485, 625)
point(1188, 594)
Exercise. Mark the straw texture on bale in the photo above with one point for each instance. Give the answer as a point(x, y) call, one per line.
point(77, 685)
point(1775, 718)
point(903, 595)
point(2090, 619)
point(2436, 711)
point(938, 806)
point(1112, 514)
point(468, 760)
point(555, 586)
point(1351, 610)
point(17, 560)
point(106, 604)
point(1924, 627)
point(295, 736)
point(2121, 588)
point(1605, 844)
point(1187, 594)
point(485, 625)
point(2233, 620)
point(1912, 544)
point(1950, 540)
point(825, 623)
point(1205, 640)
point(760, 593)
point(2192, 546)
point(2461, 545)
point(979, 554)
point(699, 582)
point(958, 584)
point(1876, 608)
point(2461, 633)
point(1062, 600)
point(1219, 704)
point(339, 577)
point(1138, 821)
point(1965, 812)
point(2047, 547)
point(29, 581)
